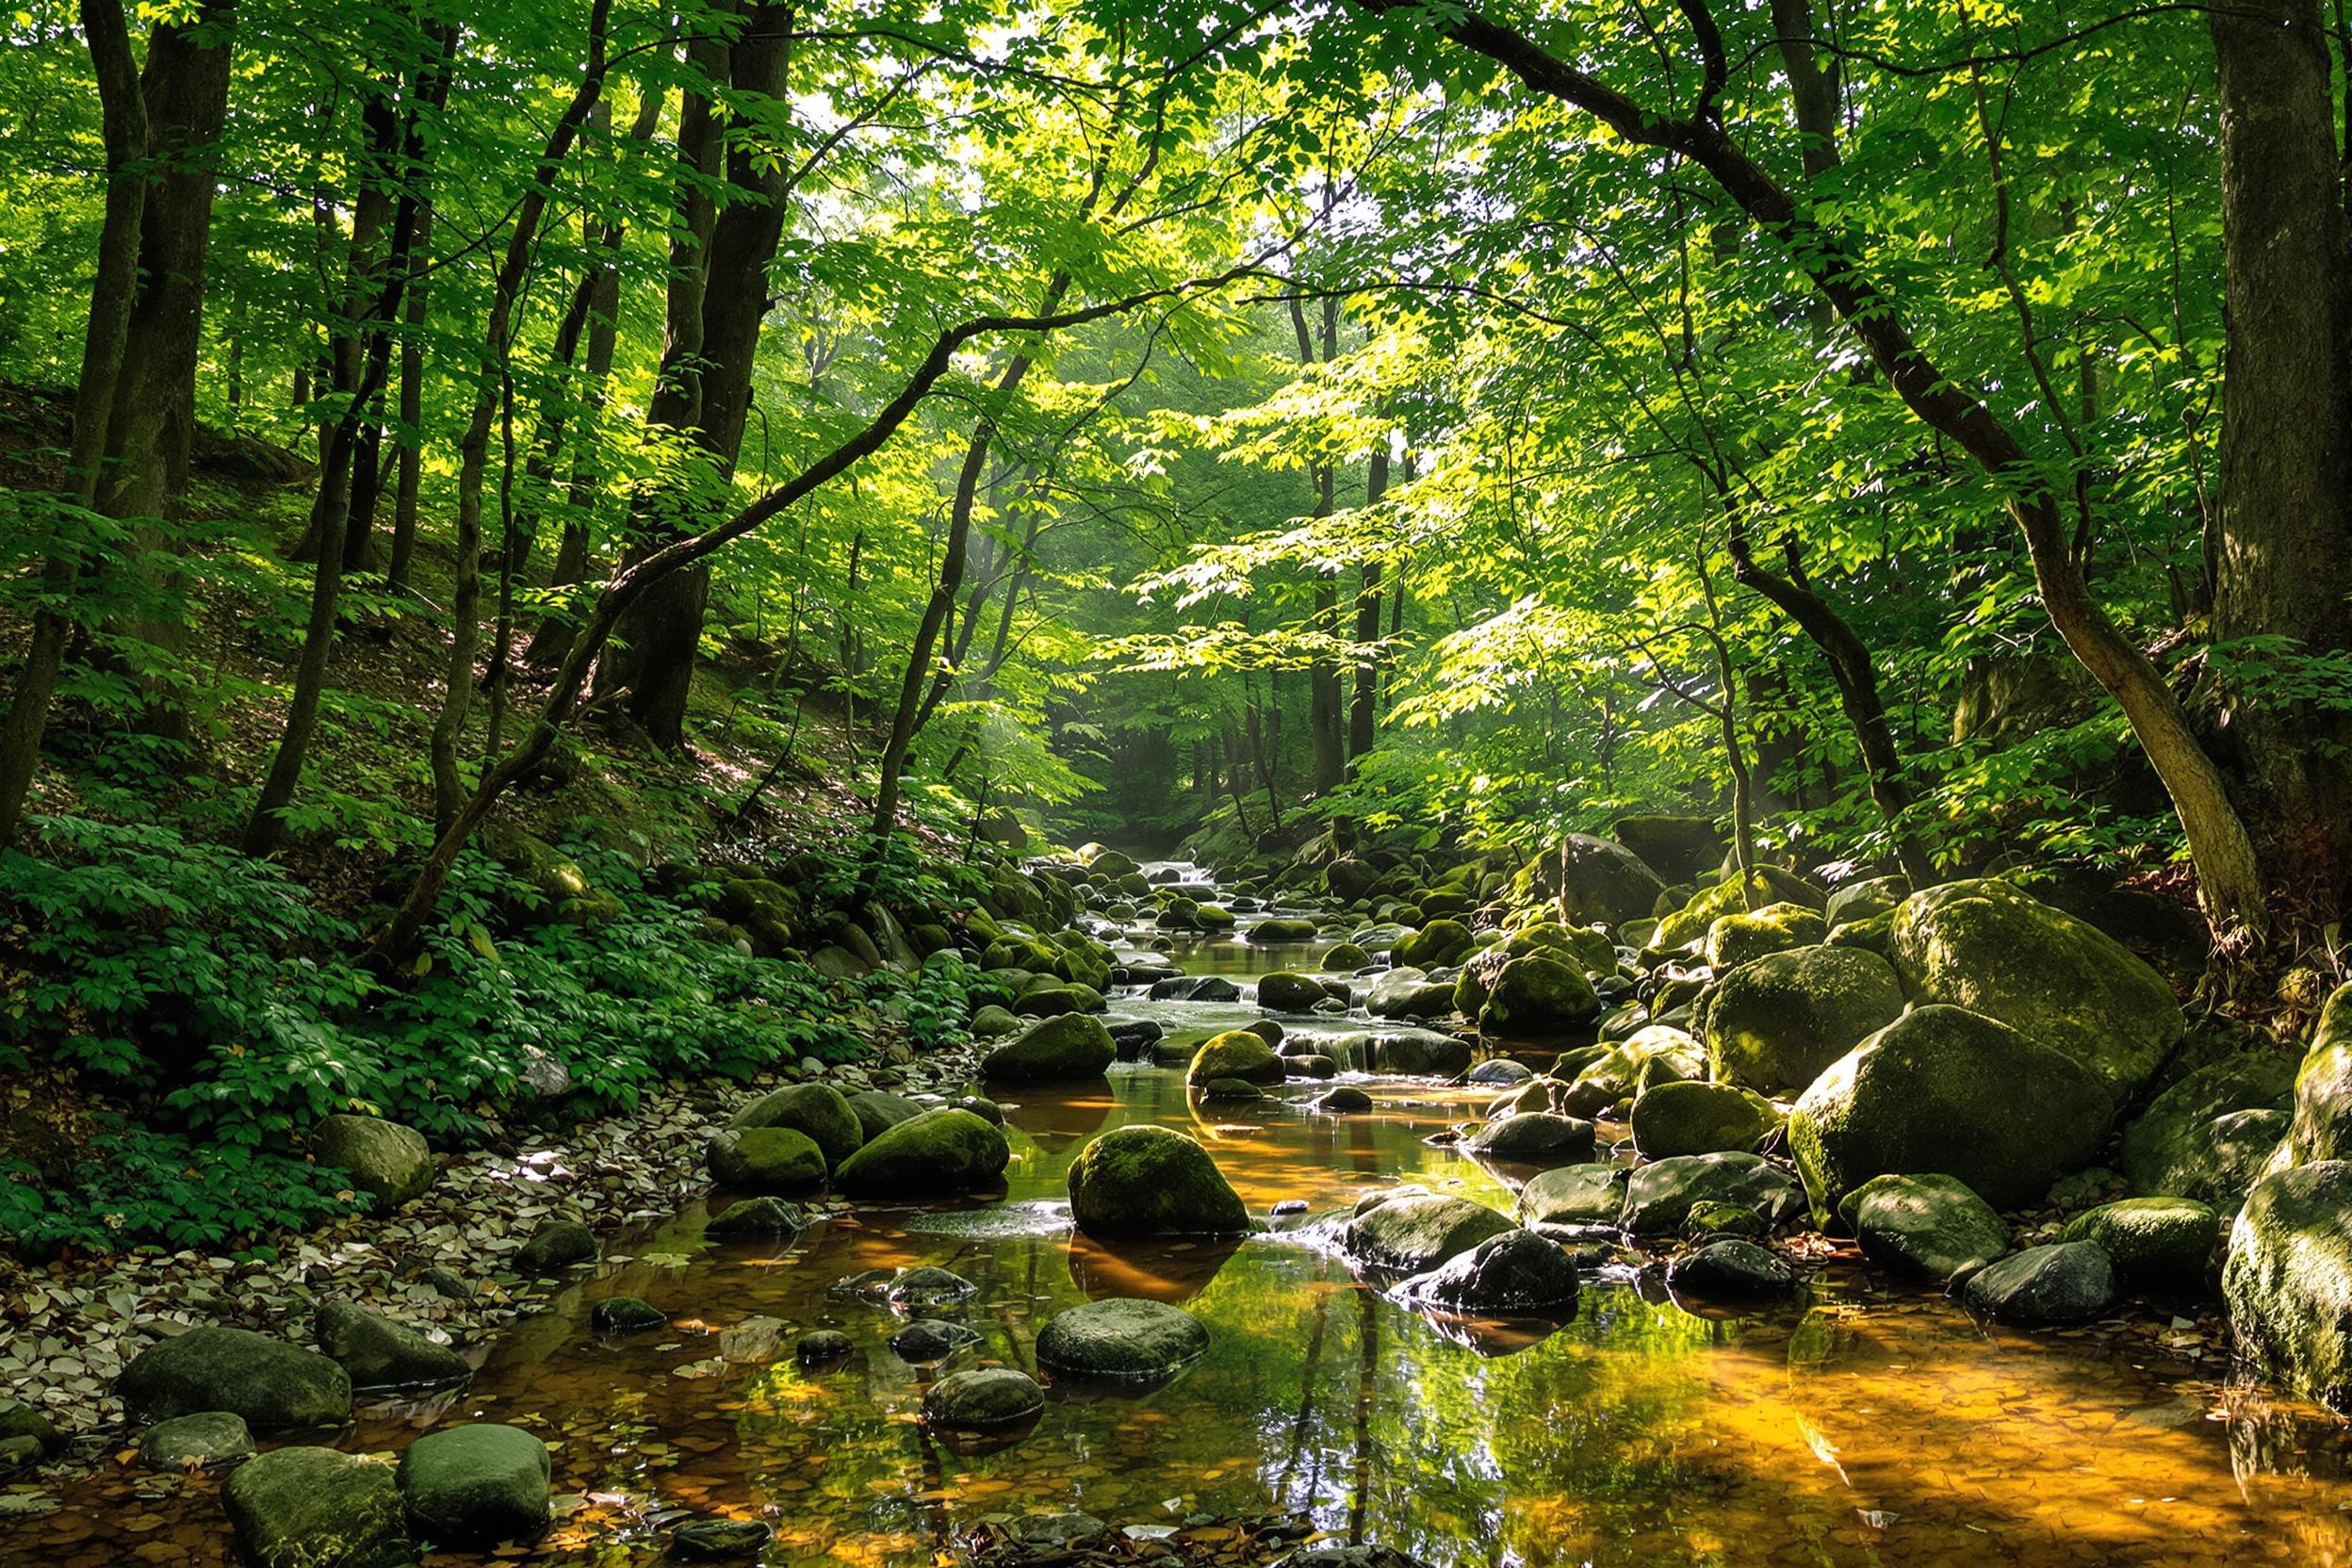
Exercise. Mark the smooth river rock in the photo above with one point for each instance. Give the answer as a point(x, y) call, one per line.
point(1122, 1338)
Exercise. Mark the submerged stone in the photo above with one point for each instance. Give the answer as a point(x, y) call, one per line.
point(1122, 1338)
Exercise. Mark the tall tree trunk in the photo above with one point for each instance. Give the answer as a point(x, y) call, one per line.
point(122, 119)
point(408, 483)
point(2283, 564)
point(1363, 706)
point(1325, 721)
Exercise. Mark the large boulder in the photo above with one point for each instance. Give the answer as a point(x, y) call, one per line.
point(1235, 1053)
point(1765, 885)
point(1732, 1267)
point(1532, 1137)
point(1776, 1024)
point(1660, 1196)
point(2209, 1136)
point(387, 1161)
point(1743, 937)
point(1516, 1271)
point(1071, 1047)
point(1680, 849)
point(1654, 1054)
point(1593, 881)
point(2322, 1128)
point(879, 1110)
point(274, 1385)
point(1285, 992)
point(1444, 940)
point(818, 1112)
point(1541, 996)
point(1414, 1231)
point(1122, 1338)
point(1928, 1225)
point(1859, 901)
point(1575, 1195)
point(379, 1354)
point(983, 1400)
point(2160, 1244)
point(1407, 991)
point(1152, 1180)
point(1696, 1119)
point(1944, 1089)
point(934, 1154)
point(2068, 1282)
point(1989, 947)
point(764, 1159)
point(476, 1486)
point(2288, 1281)
point(314, 1508)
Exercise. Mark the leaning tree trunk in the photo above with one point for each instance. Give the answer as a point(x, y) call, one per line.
point(2284, 558)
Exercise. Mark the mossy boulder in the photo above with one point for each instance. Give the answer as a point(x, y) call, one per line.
point(1285, 993)
point(2322, 1125)
point(1439, 941)
point(1874, 934)
point(1591, 1194)
point(2209, 1136)
point(1653, 1054)
point(1541, 996)
point(1776, 1024)
point(554, 1248)
point(2161, 1244)
point(1659, 1196)
point(275, 1386)
point(1507, 1275)
point(1987, 946)
point(1407, 991)
point(1282, 928)
point(1589, 881)
point(2068, 1282)
point(1740, 939)
point(1532, 1137)
point(1730, 1266)
point(387, 1161)
point(1414, 1231)
point(934, 1154)
point(1861, 901)
point(764, 1159)
point(197, 1442)
point(1144, 1180)
point(1344, 959)
point(818, 1112)
point(1697, 1118)
point(1944, 1089)
point(1235, 1053)
point(1348, 878)
point(1055, 1001)
point(314, 1508)
point(1928, 1225)
point(2288, 1281)
point(1677, 848)
point(983, 1400)
point(476, 1486)
point(379, 1354)
point(879, 1110)
point(1765, 886)
point(1122, 1339)
point(1071, 1047)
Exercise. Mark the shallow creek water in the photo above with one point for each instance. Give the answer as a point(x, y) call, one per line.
point(1863, 1424)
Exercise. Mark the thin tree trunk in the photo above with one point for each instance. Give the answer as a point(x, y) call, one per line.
point(1363, 707)
point(409, 483)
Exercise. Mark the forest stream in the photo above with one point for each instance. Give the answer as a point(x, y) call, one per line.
point(1857, 1422)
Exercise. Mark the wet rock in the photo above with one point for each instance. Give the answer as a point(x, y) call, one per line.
point(21, 1424)
point(1152, 1180)
point(449, 1284)
point(1266, 1029)
point(1120, 1338)
point(1282, 928)
point(1653, 1054)
point(274, 1386)
point(313, 1508)
point(2069, 1282)
point(1133, 1037)
point(1541, 996)
point(479, 1486)
point(1229, 1090)
point(555, 1247)
point(1346, 1100)
point(1235, 1053)
point(626, 1315)
point(1575, 1195)
point(1285, 992)
point(818, 1112)
point(765, 1159)
point(1696, 1119)
point(2161, 1244)
point(1533, 1137)
point(985, 1399)
point(924, 1289)
point(1350, 1557)
point(719, 1540)
point(2209, 1136)
point(877, 1112)
point(756, 1217)
point(1344, 959)
point(379, 1354)
point(1501, 1072)
point(1944, 1090)
point(1195, 988)
point(1928, 1225)
point(387, 1161)
point(2060, 982)
point(823, 1347)
point(1066, 1048)
point(2322, 1125)
point(1658, 1197)
point(2288, 1281)
point(933, 1155)
point(196, 1442)
point(1730, 1267)
point(1409, 992)
point(1416, 1052)
point(992, 1022)
point(1593, 881)
point(1776, 1024)
point(1413, 1232)
point(928, 1340)
point(1709, 1220)
point(1516, 1271)
point(1742, 938)
point(1059, 1001)
point(1313, 1065)
point(987, 1110)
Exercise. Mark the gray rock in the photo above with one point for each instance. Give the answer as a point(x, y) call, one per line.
point(877, 1112)
point(379, 1354)
point(196, 1442)
point(479, 1485)
point(1659, 1196)
point(1730, 1267)
point(20, 1421)
point(1575, 1195)
point(927, 1340)
point(1533, 1137)
point(1928, 1225)
point(387, 1161)
point(984, 1399)
point(274, 1385)
point(922, 1289)
point(556, 1245)
point(1414, 1231)
point(313, 1508)
point(2069, 1281)
point(1516, 1271)
point(1195, 988)
point(1120, 1338)
point(1501, 1072)
point(1346, 1100)
point(1409, 992)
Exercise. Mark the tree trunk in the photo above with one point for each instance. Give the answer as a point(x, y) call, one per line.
point(408, 484)
point(1363, 706)
point(2284, 558)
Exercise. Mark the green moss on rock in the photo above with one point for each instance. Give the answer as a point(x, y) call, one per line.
point(1152, 1180)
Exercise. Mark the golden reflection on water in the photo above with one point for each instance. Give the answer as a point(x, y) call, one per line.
point(1868, 1428)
